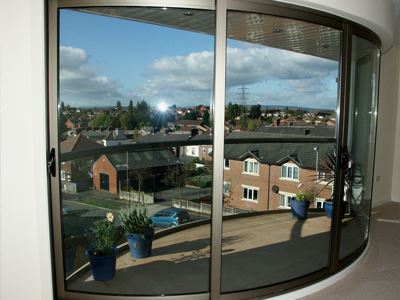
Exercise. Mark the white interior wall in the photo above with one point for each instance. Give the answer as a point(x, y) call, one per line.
point(395, 195)
point(25, 265)
point(388, 93)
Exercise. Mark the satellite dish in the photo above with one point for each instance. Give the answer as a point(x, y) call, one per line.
point(275, 189)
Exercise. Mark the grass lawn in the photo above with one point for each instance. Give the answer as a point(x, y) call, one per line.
point(112, 204)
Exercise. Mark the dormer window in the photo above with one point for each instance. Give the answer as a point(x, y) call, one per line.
point(290, 171)
point(251, 166)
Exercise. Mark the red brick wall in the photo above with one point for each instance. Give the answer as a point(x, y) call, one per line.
point(236, 178)
point(103, 165)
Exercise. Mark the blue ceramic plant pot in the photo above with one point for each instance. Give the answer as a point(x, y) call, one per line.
point(328, 209)
point(102, 267)
point(299, 209)
point(140, 244)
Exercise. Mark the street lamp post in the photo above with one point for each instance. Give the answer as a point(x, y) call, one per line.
point(316, 149)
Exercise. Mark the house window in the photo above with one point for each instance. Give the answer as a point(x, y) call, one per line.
point(319, 203)
point(227, 188)
point(226, 163)
point(290, 171)
point(251, 166)
point(284, 199)
point(62, 175)
point(193, 151)
point(250, 193)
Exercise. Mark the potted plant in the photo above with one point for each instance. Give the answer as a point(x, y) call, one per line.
point(300, 204)
point(139, 229)
point(328, 165)
point(102, 252)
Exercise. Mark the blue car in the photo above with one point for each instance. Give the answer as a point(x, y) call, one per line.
point(170, 217)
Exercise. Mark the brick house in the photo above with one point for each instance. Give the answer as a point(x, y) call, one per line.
point(263, 176)
point(72, 125)
point(76, 174)
point(112, 172)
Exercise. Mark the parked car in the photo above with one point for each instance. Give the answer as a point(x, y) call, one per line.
point(170, 217)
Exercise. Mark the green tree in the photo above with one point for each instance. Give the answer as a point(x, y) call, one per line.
point(62, 125)
point(192, 115)
point(127, 121)
point(206, 118)
point(255, 111)
point(232, 111)
point(142, 114)
point(115, 122)
point(102, 119)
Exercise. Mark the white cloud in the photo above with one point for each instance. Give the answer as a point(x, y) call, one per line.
point(182, 80)
point(81, 83)
point(253, 65)
point(273, 76)
point(189, 79)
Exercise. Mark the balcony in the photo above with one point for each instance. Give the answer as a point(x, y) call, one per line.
point(258, 250)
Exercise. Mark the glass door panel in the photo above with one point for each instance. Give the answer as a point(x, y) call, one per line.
point(135, 96)
point(361, 144)
point(281, 85)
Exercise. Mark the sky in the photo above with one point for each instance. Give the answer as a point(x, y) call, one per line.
point(104, 60)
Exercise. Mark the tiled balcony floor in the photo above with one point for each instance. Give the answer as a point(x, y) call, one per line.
point(257, 251)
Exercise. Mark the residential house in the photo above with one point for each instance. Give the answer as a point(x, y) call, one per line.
point(116, 138)
point(264, 176)
point(76, 174)
point(142, 170)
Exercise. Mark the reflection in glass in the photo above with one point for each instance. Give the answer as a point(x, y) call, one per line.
point(361, 144)
point(135, 127)
point(281, 83)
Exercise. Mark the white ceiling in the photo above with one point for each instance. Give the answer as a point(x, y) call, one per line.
point(277, 32)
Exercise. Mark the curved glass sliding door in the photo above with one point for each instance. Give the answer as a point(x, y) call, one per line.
point(135, 91)
point(361, 144)
point(280, 119)
point(133, 122)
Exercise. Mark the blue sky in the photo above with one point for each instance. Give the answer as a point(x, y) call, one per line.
point(105, 59)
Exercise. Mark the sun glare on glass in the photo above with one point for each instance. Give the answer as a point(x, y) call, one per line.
point(162, 106)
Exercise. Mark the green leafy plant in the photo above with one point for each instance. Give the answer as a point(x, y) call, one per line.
point(328, 164)
point(301, 197)
point(305, 194)
point(102, 236)
point(135, 220)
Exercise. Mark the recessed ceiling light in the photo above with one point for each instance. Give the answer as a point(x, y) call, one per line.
point(188, 13)
point(277, 30)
